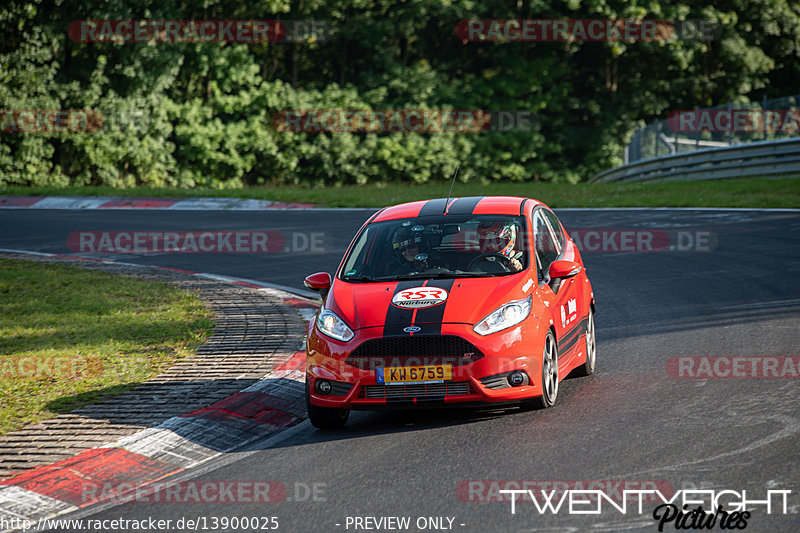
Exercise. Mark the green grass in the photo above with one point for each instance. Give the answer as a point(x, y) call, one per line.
point(70, 336)
point(746, 192)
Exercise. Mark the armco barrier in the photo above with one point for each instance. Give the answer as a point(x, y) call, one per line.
point(772, 158)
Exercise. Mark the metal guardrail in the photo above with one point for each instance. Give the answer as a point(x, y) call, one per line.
point(752, 159)
point(666, 136)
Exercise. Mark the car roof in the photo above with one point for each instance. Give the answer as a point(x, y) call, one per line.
point(475, 205)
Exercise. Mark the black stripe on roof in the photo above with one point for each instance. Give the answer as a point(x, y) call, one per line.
point(464, 206)
point(433, 207)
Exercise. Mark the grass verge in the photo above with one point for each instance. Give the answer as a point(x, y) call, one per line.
point(70, 337)
point(745, 192)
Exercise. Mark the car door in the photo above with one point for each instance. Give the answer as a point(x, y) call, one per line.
point(561, 293)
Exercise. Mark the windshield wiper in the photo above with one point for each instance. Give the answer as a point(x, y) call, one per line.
point(443, 275)
point(440, 275)
point(361, 278)
point(400, 278)
point(481, 274)
point(420, 275)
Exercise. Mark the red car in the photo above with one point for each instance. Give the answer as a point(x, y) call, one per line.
point(450, 301)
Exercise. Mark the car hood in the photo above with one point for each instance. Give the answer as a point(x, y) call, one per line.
point(468, 300)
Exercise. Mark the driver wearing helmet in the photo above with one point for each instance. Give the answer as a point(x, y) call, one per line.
point(408, 254)
point(496, 237)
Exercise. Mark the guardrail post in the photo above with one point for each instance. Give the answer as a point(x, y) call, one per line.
point(730, 122)
point(697, 134)
point(655, 139)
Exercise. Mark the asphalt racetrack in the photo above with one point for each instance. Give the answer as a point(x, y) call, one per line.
point(696, 383)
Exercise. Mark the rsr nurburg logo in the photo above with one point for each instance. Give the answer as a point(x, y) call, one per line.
point(419, 297)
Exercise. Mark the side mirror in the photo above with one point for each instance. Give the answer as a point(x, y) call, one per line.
point(320, 282)
point(564, 269)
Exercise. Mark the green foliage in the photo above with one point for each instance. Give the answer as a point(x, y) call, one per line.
point(201, 114)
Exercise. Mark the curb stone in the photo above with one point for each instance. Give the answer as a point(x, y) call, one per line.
point(245, 383)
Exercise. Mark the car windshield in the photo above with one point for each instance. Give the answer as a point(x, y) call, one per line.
point(447, 246)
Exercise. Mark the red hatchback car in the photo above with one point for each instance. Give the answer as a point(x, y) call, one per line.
point(450, 301)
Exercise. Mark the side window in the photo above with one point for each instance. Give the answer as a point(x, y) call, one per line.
point(556, 226)
point(544, 243)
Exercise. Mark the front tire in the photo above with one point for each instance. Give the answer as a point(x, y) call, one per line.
point(549, 375)
point(325, 417)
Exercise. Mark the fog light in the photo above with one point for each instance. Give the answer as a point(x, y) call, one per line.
point(517, 378)
point(323, 386)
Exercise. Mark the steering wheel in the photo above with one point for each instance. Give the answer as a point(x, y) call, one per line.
point(505, 265)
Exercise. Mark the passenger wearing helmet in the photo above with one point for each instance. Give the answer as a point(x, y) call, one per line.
point(496, 237)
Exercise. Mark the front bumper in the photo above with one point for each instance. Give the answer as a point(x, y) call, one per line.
point(517, 348)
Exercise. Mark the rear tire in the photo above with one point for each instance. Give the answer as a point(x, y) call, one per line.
point(549, 376)
point(325, 417)
point(587, 368)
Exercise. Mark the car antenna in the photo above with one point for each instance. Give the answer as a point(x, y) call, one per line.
point(444, 211)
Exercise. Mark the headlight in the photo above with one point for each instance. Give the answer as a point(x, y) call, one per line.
point(504, 316)
point(333, 326)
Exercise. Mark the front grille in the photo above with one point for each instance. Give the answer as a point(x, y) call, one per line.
point(418, 350)
point(408, 392)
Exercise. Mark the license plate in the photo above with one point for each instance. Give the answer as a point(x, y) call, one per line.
point(396, 375)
